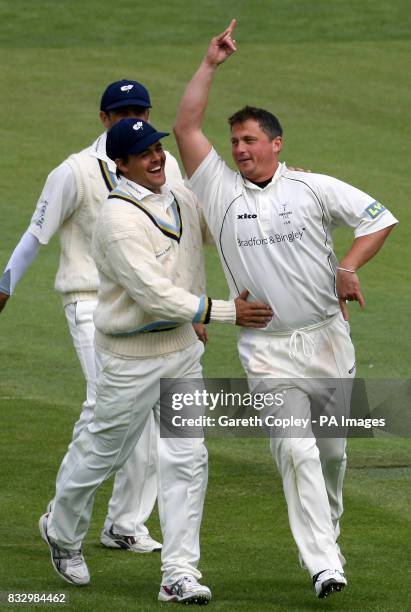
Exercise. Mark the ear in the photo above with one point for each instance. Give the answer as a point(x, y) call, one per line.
point(277, 144)
point(104, 118)
point(121, 165)
point(146, 115)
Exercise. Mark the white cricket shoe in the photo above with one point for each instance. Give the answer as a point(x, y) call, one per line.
point(186, 590)
point(328, 581)
point(139, 544)
point(69, 564)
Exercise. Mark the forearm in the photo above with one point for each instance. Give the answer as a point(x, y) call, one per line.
point(364, 248)
point(193, 104)
point(20, 260)
point(134, 266)
point(192, 143)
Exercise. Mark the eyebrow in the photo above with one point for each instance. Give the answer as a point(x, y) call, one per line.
point(246, 137)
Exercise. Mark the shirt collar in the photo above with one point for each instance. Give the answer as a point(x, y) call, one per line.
point(164, 199)
point(98, 150)
point(280, 169)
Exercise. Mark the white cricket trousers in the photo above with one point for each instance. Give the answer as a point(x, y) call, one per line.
point(128, 391)
point(135, 485)
point(312, 469)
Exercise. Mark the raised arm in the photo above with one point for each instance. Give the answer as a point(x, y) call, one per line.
point(192, 143)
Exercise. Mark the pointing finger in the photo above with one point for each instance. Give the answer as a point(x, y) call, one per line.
point(360, 299)
point(228, 31)
point(231, 27)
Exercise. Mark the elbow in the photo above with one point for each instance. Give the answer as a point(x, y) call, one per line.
point(384, 233)
point(178, 129)
point(183, 126)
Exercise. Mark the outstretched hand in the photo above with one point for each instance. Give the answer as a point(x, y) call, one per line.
point(251, 314)
point(222, 46)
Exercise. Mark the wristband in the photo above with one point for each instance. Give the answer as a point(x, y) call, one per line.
point(347, 270)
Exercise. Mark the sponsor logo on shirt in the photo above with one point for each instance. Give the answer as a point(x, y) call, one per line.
point(272, 239)
point(375, 209)
point(246, 216)
point(39, 221)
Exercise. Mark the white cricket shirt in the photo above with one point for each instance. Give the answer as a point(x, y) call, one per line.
point(277, 241)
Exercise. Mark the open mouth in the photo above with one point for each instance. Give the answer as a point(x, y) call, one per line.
point(156, 170)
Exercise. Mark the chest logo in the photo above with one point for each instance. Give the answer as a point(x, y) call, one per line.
point(246, 216)
point(285, 214)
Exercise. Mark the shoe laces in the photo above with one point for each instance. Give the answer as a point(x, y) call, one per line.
point(77, 558)
point(182, 584)
point(188, 581)
point(144, 539)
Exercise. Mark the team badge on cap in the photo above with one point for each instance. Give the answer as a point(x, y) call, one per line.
point(124, 93)
point(131, 137)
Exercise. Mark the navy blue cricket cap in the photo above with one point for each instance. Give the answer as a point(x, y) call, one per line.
point(131, 137)
point(125, 93)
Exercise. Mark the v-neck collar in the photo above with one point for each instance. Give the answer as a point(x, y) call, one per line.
point(173, 231)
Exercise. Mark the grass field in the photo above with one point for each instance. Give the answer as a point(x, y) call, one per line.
point(337, 74)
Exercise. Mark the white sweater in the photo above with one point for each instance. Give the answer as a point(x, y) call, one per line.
point(148, 251)
point(70, 202)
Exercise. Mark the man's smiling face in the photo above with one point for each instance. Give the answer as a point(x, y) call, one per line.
point(146, 168)
point(255, 155)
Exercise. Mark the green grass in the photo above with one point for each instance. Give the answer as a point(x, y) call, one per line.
point(337, 74)
point(248, 555)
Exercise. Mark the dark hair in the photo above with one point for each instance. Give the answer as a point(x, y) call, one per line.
point(124, 110)
point(266, 120)
point(125, 159)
